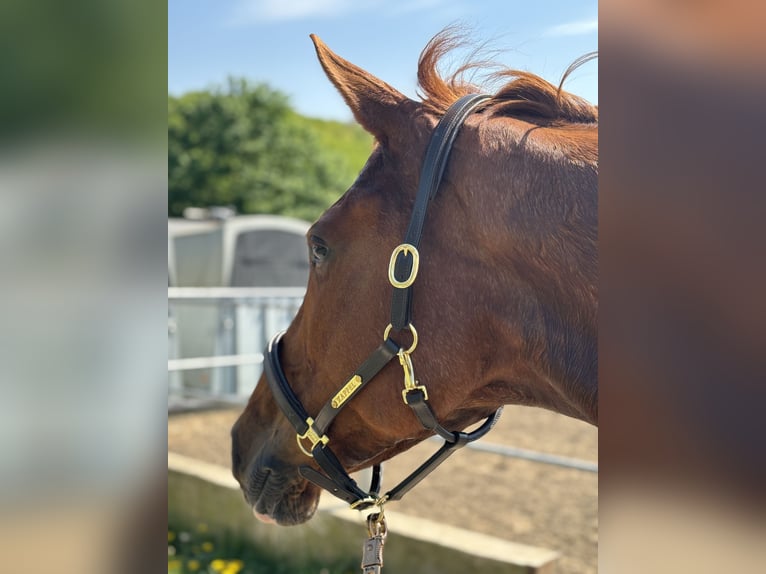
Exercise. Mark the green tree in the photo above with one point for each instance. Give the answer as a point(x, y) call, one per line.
point(244, 146)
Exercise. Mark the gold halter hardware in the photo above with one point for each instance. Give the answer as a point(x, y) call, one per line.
point(411, 328)
point(410, 383)
point(312, 436)
point(376, 522)
point(370, 500)
point(404, 248)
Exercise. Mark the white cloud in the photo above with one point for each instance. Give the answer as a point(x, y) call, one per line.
point(250, 11)
point(247, 12)
point(576, 28)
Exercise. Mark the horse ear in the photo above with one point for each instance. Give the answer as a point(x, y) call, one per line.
point(375, 105)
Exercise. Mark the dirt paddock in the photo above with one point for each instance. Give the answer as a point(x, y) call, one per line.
point(517, 500)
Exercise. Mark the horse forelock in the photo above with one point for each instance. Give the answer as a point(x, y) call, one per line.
point(523, 94)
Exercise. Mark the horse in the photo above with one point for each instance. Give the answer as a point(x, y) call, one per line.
point(502, 287)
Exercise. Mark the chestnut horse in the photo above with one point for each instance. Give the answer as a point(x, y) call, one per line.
point(505, 300)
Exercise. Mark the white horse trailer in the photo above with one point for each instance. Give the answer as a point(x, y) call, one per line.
point(233, 283)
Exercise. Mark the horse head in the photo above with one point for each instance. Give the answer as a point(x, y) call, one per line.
point(504, 306)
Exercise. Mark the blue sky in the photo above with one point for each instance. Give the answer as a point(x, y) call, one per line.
point(267, 40)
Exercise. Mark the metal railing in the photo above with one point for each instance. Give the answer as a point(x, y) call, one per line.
point(216, 336)
point(532, 455)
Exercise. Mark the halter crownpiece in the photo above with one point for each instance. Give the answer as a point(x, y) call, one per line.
point(402, 273)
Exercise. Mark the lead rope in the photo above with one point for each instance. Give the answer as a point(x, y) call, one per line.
point(372, 551)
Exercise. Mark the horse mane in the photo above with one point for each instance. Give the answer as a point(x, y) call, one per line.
point(524, 94)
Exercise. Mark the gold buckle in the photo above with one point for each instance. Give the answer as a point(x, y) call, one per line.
point(410, 384)
point(404, 248)
point(313, 436)
point(406, 392)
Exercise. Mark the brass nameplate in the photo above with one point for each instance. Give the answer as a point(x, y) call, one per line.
point(348, 389)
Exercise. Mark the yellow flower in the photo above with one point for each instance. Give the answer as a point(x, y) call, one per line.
point(207, 547)
point(202, 527)
point(193, 565)
point(218, 565)
point(174, 565)
point(171, 536)
point(233, 567)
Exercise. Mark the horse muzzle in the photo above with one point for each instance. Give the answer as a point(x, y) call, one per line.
point(272, 486)
point(279, 495)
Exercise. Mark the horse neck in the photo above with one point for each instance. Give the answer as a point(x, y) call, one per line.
point(560, 264)
point(537, 225)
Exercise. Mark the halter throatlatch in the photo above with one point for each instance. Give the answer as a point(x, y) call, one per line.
point(402, 273)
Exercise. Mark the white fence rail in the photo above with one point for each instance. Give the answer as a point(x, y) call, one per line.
point(216, 337)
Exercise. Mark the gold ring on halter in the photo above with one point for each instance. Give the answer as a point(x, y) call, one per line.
point(409, 326)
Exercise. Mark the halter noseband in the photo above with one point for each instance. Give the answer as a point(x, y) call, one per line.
point(402, 272)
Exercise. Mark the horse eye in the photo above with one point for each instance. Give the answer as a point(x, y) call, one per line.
point(318, 252)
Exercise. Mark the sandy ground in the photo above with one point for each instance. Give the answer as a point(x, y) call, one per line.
point(517, 500)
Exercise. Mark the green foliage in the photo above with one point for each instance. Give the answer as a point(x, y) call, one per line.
point(348, 140)
point(82, 68)
point(244, 146)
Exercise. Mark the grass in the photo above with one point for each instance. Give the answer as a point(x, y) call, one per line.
point(198, 551)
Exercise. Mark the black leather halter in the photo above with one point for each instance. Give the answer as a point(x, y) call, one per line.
point(403, 270)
